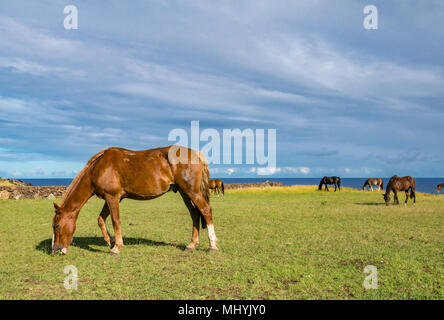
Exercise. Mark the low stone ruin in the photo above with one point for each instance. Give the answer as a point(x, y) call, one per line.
point(16, 189)
point(253, 185)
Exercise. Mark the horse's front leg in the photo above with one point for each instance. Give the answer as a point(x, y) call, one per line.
point(406, 197)
point(113, 204)
point(102, 225)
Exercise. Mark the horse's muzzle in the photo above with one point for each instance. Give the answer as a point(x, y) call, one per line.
point(59, 249)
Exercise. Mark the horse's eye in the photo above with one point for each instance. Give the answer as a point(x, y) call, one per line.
point(56, 226)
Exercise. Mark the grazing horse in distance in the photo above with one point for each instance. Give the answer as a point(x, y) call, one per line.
point(330, 180)
point(217, 186)
point(439, 187)
point(374, 182)
point(114, 174)
point(400, 184)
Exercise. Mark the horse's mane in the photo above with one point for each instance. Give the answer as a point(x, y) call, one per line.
point(202, 157)
point(390, 184)
point(79, 176)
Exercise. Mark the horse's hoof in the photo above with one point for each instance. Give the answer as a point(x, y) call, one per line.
point(213, 249)
point(190, 248)
point(114, 251)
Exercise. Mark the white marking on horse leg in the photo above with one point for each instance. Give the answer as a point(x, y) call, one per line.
point(115, 250)
point(52, 243)
point(212, 237)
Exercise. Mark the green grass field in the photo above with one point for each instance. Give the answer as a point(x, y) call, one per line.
point(275, 243)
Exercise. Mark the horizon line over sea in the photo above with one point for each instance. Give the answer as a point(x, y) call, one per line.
point(425, 185)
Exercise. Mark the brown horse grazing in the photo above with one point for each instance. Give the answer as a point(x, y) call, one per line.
point(400, 184)
point(217, 186)
point(439, 187)
point(374, 182)
point(115, 173)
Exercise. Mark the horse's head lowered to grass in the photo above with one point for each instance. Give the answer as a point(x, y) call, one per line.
point(386, 198)
point(63, 225)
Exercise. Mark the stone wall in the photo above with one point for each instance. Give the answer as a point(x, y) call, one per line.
point(253, 185)
point(29, 192)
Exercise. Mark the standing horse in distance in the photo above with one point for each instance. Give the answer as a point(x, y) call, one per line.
point(217, 186)
point(330, 180)
point(374, 182)
point(439, 187)
point(114, 174)
point(400, 184)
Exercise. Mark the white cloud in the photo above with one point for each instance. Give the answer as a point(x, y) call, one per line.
point(230, 171)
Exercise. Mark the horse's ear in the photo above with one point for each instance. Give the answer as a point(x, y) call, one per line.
point(56, 206)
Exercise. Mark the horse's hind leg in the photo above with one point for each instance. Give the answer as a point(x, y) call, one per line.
point(195, 215)
point(113, 204)
point(102, 224)
point(205, 209)
point(406, 197)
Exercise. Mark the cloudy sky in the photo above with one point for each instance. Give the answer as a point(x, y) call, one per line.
point(343, 100)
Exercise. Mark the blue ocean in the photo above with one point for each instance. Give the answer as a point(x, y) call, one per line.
point(426, 185)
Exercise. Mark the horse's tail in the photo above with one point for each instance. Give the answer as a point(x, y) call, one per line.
point(412, 187)
point(204, 185)
point(382, 185)
point(339, 184)
point(223, 188)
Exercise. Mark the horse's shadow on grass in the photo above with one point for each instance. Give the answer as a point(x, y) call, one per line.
point(370, 203)
point(86, 242)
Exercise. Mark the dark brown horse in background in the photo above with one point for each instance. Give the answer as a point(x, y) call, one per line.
point(439, 187)
point(374, 182)
point(115, 174)
point(400, 184)
point(217, 186)
point(330, 180)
